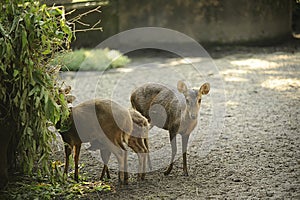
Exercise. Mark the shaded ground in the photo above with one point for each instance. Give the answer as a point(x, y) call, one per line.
point(256, 155)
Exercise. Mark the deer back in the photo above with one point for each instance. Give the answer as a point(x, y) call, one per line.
point(174, 109)
point(160, 104)
point(102, 120)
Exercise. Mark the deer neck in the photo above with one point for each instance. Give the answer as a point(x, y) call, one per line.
point(187, 124)
point(186, 119)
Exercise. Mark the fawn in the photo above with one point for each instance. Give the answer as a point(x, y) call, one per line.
point(175, 110)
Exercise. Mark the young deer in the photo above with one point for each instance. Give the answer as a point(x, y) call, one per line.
point(137, 141)
point(175, 110)
point(105, 121)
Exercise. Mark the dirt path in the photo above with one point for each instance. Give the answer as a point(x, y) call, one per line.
point(255, 155)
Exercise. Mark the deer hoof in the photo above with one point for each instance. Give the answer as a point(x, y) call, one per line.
point(166, 173)
point(141, 177)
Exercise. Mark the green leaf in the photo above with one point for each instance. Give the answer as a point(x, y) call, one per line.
point(24, 39)
point(37, 102)
point(14, 24)
point(3, 32)
point(47, 51)
point(38, 78)
point(51, 111)
point(59, 11)
point(35, 89)
point(16, 73)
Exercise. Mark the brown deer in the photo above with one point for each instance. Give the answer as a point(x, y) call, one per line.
point(175, 110)
point(105, 121)
point(138, 142)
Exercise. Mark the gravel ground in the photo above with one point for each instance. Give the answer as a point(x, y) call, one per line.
point(247, 142)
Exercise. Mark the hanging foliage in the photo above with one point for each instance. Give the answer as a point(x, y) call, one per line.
point(30, 35)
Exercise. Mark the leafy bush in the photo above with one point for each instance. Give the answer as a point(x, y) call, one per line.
point(90, 60)
point(30, 35)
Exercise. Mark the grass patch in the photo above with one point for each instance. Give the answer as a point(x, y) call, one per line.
point(59, 186)
point(91, 60)
point(28, 188)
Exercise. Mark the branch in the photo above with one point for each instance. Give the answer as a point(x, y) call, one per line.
point(82, 23)
point(98, 22)
point(78, 19)
point(89, 29)
point(70, 12)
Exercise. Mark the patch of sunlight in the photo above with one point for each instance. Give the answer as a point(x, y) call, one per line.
point(125, 70)
point(185, 61)
point(280, 57)
point(281, 84)
point(234, 71)
point(296, 35)
point(231, 103)
point(235, 79)
point(189, 60)
point(76, 1)
point(273, 72)
point(88, 53)
point(113, 54)
point(255, 63)
point(175, 62)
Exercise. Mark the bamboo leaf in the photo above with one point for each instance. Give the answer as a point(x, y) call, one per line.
point(29, 33)
point(24, 39)
point(16, 73)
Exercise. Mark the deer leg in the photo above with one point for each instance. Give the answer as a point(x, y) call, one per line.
point(148, 154)
point(68, 151)
point(174, 151)
point(105, 170)
point(125, 168)
point(142, 165)
point(105, 155)
point(185, 139)
point(76, 158)
point(121, 160)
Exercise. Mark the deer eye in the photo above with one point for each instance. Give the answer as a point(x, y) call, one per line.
point(199, 101)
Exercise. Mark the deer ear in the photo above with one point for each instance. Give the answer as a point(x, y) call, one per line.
point(181, 87)
point(204, 89)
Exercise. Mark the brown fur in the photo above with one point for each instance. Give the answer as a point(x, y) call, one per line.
point(138, 142)
point(104, 121)
point(175, 110)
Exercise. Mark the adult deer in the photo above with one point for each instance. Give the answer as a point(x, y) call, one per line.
point(175, 110)
point(104, 121)
point(137, 141)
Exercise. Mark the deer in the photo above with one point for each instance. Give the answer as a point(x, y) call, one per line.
point(137, 141)
point(172, 109)
point(105, 121)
